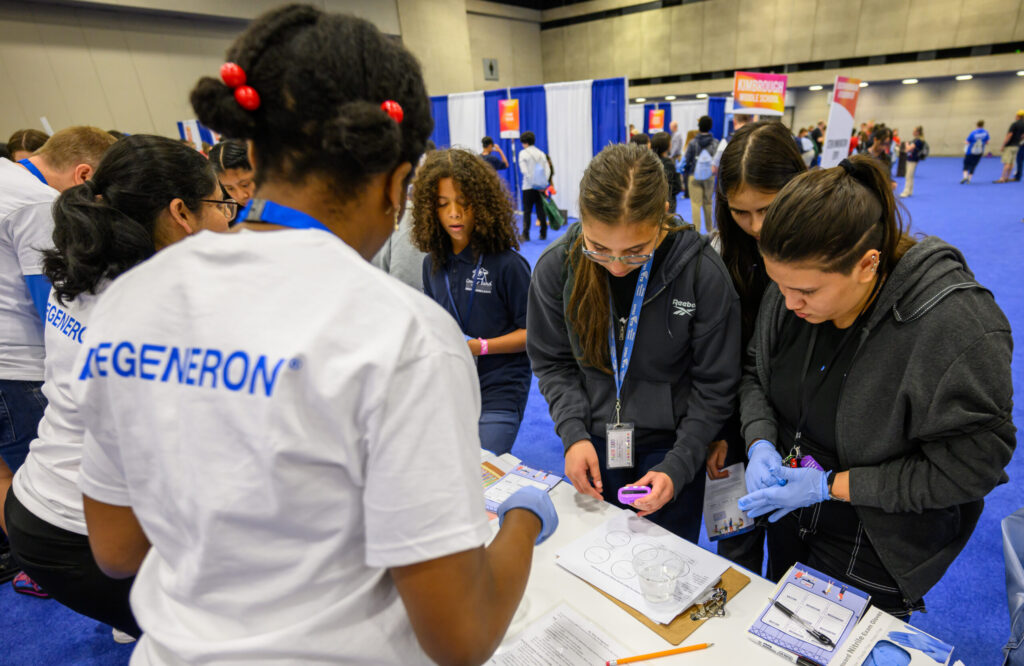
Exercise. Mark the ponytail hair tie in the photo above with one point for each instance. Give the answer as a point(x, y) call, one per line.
point(234, 77)
point(847, 166)
point(393, 109)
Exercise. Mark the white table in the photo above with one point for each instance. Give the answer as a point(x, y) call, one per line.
point(551, 585)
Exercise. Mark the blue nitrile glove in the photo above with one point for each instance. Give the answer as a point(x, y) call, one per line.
point(763, 468)
point(914, 638)
point(804, 486)
point(537, 502)
point(886, 654)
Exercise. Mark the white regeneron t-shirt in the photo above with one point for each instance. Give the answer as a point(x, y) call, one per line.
point(26, 227)
point(287, 422)
point(47, 484)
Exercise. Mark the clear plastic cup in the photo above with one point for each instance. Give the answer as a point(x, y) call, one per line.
point(657, 570)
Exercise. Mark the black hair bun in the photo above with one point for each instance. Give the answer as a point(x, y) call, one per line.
point(365, 134)
point(216, 107)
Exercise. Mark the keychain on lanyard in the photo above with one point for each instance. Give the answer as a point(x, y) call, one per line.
point(477, 276)
point(795, 459)
point(619, 435)
point(268, 212)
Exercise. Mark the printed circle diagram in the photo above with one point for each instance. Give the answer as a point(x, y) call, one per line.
point(597, 554)
point(616, 539)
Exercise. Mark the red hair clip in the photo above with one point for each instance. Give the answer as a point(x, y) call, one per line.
point(233, 77)
point(393, 109)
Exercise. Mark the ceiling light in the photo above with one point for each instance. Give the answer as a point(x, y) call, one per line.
point(702, 95)
point(964, 77)
point(908, 82)
point(815, 88)
point(640, 99)
point(1020, 73)
point(669, 98)
point(863, 84)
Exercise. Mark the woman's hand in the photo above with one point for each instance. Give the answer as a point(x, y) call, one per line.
point(662, 492)
point(716, 459)
point(583, 468)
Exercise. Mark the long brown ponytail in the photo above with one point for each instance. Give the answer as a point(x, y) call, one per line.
point(624, 184)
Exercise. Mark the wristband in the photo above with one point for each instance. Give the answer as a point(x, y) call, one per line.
point(483, 346)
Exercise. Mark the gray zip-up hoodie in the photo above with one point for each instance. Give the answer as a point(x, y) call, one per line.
point(923, 421)
point(685, 368)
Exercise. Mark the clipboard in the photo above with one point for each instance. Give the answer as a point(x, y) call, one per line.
point(676, 631)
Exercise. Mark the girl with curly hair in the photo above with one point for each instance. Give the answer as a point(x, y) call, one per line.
point(462, 219)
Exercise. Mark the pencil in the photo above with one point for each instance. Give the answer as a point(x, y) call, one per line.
point(655, 655)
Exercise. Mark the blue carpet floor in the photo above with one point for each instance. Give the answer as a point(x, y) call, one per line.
point(967, 609)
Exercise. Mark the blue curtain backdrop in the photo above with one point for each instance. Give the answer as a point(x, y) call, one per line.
point(663, 106)
point(716, 110)
point(533, 113)
point(608, 112)
point(439, 109)
point(493, 122)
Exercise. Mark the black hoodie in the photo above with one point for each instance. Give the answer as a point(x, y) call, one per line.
point(923, 420)
point(686, 361)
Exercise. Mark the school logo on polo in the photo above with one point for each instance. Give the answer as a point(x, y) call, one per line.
point(683, 308)
point(485, 286)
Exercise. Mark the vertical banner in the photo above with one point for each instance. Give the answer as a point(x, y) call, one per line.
point(508, 118)
point(757, 93)
point(656, 120)
point(840, 121)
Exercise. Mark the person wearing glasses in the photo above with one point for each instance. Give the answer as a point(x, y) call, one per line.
point(230, 159)
point(147, 193)
point(633, 330)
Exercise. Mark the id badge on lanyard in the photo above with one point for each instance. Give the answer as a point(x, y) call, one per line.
point(619, 436)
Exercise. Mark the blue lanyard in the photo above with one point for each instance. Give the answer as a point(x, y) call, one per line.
point(268, 212)
point(619, 369)
point(477, 275)
point(33, 169)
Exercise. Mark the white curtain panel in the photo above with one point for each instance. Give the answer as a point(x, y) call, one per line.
point(570, 138)
point(635, 117)
point(688, 113)
point(467, 123)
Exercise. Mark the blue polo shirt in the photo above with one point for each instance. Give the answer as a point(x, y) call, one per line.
point(499, 307)
point(494, 159)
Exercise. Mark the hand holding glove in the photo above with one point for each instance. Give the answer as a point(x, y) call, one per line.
point(537, 502)
point(763, 466)
point(804, 486)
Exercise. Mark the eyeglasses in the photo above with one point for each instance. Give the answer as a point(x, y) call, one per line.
point(629, 259)
point(228, 207)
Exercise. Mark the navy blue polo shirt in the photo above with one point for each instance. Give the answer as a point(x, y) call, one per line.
point(494, 159)
point(499, 308)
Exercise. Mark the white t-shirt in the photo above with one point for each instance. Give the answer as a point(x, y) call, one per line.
point(47, 484)
point(287, 422)
point(26, 227)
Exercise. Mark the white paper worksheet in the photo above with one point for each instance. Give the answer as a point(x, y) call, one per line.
point(604, 558)
point(561, 638)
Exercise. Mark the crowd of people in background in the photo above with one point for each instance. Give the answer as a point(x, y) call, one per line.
point(124, 477)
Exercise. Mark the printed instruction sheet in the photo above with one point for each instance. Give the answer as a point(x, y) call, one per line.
point(723, 518)
point(561, 638)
